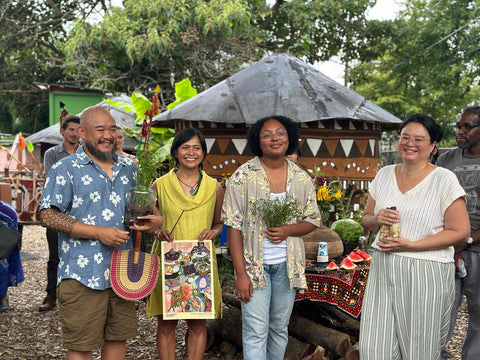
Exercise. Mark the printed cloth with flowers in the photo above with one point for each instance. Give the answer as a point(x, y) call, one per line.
point(249, 182)
point(341, 288)
point(78, 187)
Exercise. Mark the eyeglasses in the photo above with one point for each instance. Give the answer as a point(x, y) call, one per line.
point(417, 141)
point(268, 137)
point(464, 128)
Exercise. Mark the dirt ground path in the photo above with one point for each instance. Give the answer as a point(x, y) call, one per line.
point(27, 334)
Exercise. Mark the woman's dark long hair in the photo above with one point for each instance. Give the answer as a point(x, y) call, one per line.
point(182, 137)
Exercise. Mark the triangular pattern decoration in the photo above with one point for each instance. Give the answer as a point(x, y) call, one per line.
point(331, 146)
point(347, 146)
point(355, 151)
point(210, 142)
point(222, 144)
point(372, 146)
point(314, 145)
point(240, 144)
point(362, 146)
point(351, 126)
point(337, 125)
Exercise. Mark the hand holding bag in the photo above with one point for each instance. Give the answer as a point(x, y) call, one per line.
point(133, 274)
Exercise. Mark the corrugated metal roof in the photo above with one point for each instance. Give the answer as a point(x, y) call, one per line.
point(51, 134)
point(278, 85)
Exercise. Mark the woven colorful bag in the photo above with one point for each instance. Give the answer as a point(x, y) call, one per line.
point(133, 274)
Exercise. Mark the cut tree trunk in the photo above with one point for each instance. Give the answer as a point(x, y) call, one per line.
point(353, 353)
point(317, 334)
point(297, 349)
point(339, 319)
point(231, 299)
point(228, 349)
point(229, 327)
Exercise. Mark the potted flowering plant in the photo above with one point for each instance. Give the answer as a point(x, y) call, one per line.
point(329, 195)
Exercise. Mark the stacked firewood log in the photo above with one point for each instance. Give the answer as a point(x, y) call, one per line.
point(317, 331)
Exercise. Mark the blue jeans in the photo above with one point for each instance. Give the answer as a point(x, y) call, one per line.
point(265, 318)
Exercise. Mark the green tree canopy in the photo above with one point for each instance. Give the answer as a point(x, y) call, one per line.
point(31, 52)
point(427, 62)
point(157, 41)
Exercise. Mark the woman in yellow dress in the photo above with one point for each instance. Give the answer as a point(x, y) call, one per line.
point(190, 203)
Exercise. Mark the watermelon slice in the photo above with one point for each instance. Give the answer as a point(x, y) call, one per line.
point(347, 264)
point(355, 257)
point(332, 266)
point(364, 255)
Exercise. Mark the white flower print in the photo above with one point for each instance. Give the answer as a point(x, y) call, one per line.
point(107, 214)
point(46, 182)
point(86, 180)
point(77, 201)
point(82, 261)
point(115, 198)
point(124, 179)
point(75, 242)
point(95, 196)
point(89, 220)
point(93, 242)
point(106, 274)
point(67, 269)
point(46, 201)
point(98, 257)
point(75, 164)
point(57, 164)
point(65, 247)
point(60, 180)
point(61, 263)
point(76, 277)
point(93, 282)
point(114, 174)
point(59, 198)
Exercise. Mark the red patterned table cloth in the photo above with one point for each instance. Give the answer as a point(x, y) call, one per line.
point(342, 288)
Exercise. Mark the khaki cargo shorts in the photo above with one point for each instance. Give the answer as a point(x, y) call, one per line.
point(91, 316)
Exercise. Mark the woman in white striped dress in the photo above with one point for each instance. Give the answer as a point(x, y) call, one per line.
point(410, 288)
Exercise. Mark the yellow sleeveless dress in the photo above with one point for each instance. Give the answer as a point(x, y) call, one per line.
point(197, 215)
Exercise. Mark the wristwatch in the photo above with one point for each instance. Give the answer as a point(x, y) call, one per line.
point(470, 241)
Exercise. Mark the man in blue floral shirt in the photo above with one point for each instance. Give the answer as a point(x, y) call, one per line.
point(84, 200)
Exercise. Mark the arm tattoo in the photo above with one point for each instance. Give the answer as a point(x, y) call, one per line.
point(54, 219)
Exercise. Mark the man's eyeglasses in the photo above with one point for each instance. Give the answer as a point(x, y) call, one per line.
point(464, 128)
point(268, 136)
point(417, 141)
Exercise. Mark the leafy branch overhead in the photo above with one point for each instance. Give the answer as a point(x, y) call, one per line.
point(154, 143)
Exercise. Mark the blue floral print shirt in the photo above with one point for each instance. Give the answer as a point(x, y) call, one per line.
point(78, 187)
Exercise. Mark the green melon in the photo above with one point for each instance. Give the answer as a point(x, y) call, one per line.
point(348, 229)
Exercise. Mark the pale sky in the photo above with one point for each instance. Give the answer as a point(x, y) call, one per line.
point(383, 10)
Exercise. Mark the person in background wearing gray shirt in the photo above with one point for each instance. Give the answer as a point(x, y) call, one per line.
point(464, 161)
point(68, 129)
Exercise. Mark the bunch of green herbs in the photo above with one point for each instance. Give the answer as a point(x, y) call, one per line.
point(277, 212)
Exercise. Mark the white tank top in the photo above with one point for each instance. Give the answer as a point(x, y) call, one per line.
point(275, 253)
